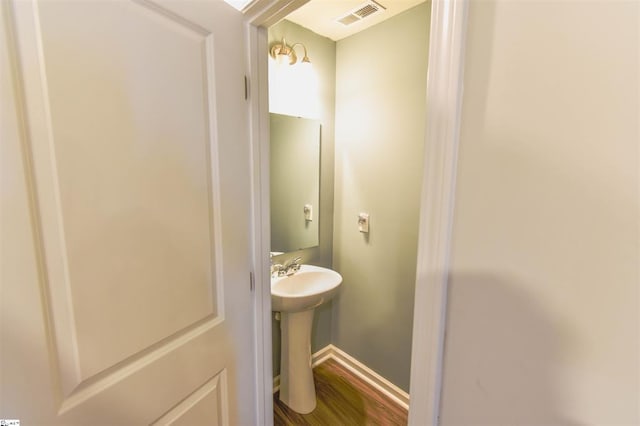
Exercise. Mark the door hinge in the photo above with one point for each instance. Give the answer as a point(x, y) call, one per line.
point(246, 87)
point(252, 281)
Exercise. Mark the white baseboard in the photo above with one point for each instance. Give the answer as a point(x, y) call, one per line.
point(360, 370)
point(370, 376)
point(322, 355)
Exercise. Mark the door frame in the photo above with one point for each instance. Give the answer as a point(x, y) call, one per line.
point(444, 115)
point(444, 107)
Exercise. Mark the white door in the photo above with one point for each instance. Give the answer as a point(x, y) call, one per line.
point(125, 295)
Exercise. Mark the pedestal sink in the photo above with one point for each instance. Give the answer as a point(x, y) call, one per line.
point(295, 297)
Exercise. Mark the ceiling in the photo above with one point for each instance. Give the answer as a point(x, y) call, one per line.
point(320, 16)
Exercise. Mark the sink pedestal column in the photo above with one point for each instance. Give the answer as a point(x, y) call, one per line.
point(297, 389)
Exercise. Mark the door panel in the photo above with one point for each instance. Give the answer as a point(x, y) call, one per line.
point(134, 135)
point(206, 402)
point(132, 148)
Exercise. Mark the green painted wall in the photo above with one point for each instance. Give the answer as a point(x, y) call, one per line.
point(374, 84)
point(380, 126)
point(322, 52)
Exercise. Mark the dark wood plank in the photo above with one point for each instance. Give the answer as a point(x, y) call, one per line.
point(343, 399)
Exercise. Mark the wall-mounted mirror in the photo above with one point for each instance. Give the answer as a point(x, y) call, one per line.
point(295, 182)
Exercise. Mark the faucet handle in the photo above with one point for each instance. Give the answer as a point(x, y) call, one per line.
point(294, 261)
point(276, 268)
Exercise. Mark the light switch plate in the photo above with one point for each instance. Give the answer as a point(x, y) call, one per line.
point(363, 222)
point(308, 212)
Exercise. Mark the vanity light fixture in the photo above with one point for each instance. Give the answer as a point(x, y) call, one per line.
point(284, 53)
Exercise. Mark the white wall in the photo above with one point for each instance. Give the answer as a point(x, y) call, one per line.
point(543, 316)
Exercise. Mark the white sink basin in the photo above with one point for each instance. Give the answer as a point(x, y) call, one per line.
point(309, 287)
point(295, 297)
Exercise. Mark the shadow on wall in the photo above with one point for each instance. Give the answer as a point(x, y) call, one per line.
point(503, 356)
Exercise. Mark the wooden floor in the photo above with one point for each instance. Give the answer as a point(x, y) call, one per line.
point(343, 399)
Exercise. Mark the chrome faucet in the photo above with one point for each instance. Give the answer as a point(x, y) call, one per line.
point(289, 267)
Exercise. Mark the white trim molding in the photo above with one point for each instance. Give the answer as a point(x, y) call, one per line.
point(258, 16)
point(265, 13)
point(444, 102)
point(257, 46)
point(259, 133)
point(369, 376)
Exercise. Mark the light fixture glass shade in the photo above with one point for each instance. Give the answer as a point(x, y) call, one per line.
point(306, 72)
point(293, 90)
point(282, 59)
point(293, 84)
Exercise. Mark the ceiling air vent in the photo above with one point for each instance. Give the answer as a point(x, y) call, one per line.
point(363, 11)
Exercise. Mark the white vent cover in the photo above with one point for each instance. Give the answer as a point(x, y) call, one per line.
point(363, 11)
